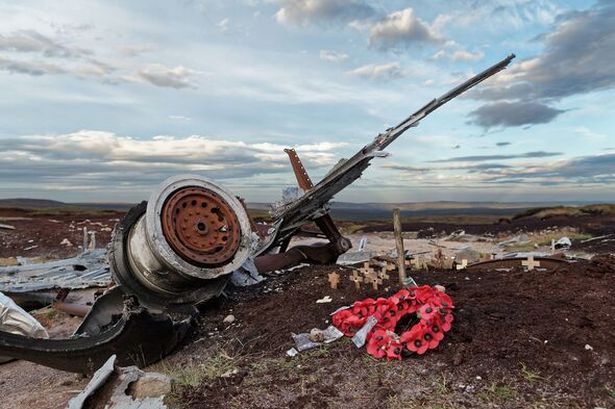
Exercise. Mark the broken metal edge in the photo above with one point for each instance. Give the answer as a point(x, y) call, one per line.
point(137, 338)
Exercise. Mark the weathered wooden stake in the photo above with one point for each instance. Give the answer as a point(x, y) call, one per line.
point(399, 242)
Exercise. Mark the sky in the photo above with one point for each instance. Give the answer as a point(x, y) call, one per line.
point(102, 100)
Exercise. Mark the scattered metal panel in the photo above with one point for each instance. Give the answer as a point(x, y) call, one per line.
point(138, 337)
point(84, 271)
point(123, 388)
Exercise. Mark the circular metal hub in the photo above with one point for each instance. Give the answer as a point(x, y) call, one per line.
point(201, 226)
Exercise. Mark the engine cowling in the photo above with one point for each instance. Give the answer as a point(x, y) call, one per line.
point(179, 248)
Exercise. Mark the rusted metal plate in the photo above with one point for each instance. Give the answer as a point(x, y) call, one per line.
point(201, 226)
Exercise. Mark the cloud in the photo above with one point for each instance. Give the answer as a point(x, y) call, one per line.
point(333, 56)
point(459, 55)
point(389, 71)
point(479, 158)
point(513, 114)
point(306, 12)
point(401, 28)
point(98, 159)
point(162, 76)
point(596, 169)
point(577, 59)
point(35, 68)
point(32, 41)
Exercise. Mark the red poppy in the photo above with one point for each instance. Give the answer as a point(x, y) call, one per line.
point(427, 312)
point(415, 340)
point(436, 331)
point(378, 343)
point(430, 338)
point(444, 300)
point(394, 350)
point(446, 321)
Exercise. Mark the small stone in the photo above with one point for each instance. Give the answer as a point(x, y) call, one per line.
point(440, 288)
point(478, 378)
point(589, 347)
point(229, 319)
point(230, 373)
point(151, 385)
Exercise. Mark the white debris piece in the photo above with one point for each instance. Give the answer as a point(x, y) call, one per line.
point(16, 320)
point(324, 300)
point(316, 337)
point(66, 243)
point(563, 244)
point(361, 336)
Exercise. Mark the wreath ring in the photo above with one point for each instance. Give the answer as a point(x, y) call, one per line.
point(432, 307)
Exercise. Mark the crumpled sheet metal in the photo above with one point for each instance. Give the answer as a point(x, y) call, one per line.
point(16, 320)
point(116, 388)
point(138, 337)
point(87, 270)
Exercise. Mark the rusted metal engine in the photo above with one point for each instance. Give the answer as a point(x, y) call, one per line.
point(179, 248)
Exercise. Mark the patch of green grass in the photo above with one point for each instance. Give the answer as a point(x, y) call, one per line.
point(194, 373)
point(529, 375)
point(442, 386)
point(498, 393)
point(396, 402)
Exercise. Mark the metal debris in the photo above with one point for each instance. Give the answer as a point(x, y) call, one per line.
point(84, 271)
point(361, 336)
point(15, 320)
point(316, 337)
point(116, 387)
point(7, 226)
point(563, 243)
point(137, 336)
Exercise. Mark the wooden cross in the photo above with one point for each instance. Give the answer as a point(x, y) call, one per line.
point(373, 279)
point(530, 263)
point(439, 259)
point(417, 263)
point(334, 279)
point(356, 279)
point(463, 265)
point(383, 273)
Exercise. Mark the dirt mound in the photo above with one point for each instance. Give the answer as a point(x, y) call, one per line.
point(539, 334)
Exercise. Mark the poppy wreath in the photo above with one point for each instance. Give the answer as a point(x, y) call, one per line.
point(433, 308)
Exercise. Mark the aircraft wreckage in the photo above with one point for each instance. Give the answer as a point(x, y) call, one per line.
point(181, 248)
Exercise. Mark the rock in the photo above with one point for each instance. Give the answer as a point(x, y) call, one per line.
point(150, 385)
point(66, 243)
point(229, 319)
point(230, 373)
point(589, 347)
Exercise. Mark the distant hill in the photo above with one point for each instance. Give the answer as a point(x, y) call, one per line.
point(39, 204)
point(354, 211)
point(20, 203)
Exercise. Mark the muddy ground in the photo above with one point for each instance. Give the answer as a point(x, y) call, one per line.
point(539, 339)
point(41, 234)
point(520, 340)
